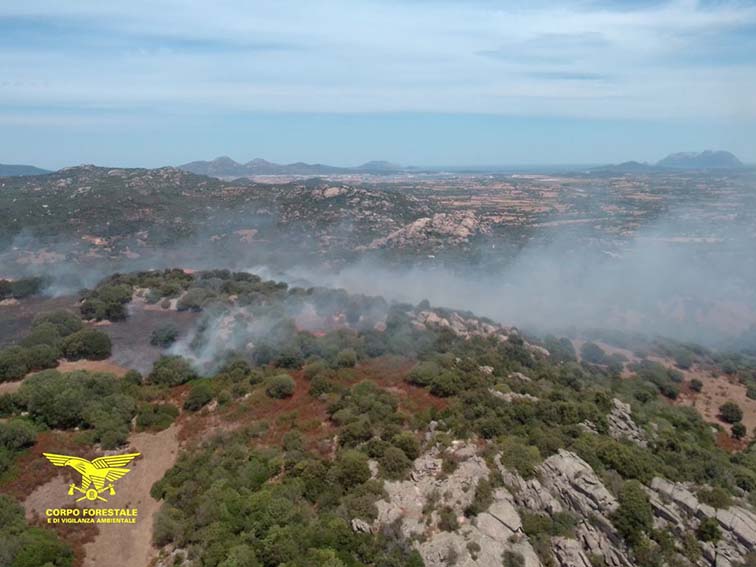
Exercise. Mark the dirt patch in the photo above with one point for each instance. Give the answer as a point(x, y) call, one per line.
point(39, 485)
point(10, 387)
point(716, 391)
point(93, 366)
point(131, 544)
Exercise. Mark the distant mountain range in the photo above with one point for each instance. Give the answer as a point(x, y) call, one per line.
point(226, 167)
point(9, 170)
point(708, 159)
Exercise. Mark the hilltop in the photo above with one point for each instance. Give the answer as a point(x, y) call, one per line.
point(297, 426)
point(10, 170)
point(226, 167)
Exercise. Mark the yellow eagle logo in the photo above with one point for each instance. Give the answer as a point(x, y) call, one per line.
point(101, 472)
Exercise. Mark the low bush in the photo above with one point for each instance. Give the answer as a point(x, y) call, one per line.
point(199, 396)
point(280, 386)
point(171, 371)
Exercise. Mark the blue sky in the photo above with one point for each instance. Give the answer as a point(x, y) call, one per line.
point(155, 82)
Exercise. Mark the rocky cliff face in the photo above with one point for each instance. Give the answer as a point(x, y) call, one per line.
point(677, 508)
point(430, 510)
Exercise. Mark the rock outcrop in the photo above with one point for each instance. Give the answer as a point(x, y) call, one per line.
point(417, 505)
point(622, 425)
point(430, 510)
point(677, 508)
point(439, 229)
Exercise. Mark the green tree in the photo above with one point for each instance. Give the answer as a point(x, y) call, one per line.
point(730, 412)
point(350, 468)
point(394, 463)
point(739, 430)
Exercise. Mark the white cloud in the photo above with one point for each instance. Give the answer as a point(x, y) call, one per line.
point(577, 59)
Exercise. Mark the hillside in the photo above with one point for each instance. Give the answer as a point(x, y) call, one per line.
point(8, 170)
point(307, 427)
point(97, 216)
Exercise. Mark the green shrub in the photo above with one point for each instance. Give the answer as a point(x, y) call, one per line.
point(512, 559)
point(708, 530)
point(164, 336)
point(133, 377)
point(696, 385)
point(520, 456)
point(156, 417)
point(423, 374)
point(24, 546)
point(13, 363)
point(346, 358)
point(171, 371)
point(87, 343)
point(43, 334)
point(716, 497)
point(313, 369)
point(280, 386)
point(321, 385)
point(394, 463)
point(22, 287)
point(65, 322)
point(447, 520)
point(200, 395)
point(350, 468)
point(446, 384)
point(408, 443)
point(16, 435)
point(739, 430)
point(634, 516)
point(684, 359)
point(484, 497)
point(41, 357)
point(194, 299)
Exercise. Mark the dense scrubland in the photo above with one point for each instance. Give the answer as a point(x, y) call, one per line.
point(318, 419)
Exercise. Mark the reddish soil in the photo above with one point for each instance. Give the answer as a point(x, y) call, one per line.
point(32, 470)
point(716, 391)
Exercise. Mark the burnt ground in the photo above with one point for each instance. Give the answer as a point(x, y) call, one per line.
point(131, 338)
point(16, 317)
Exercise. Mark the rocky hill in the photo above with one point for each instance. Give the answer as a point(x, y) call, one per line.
point(119, 212)
point(707, 159)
